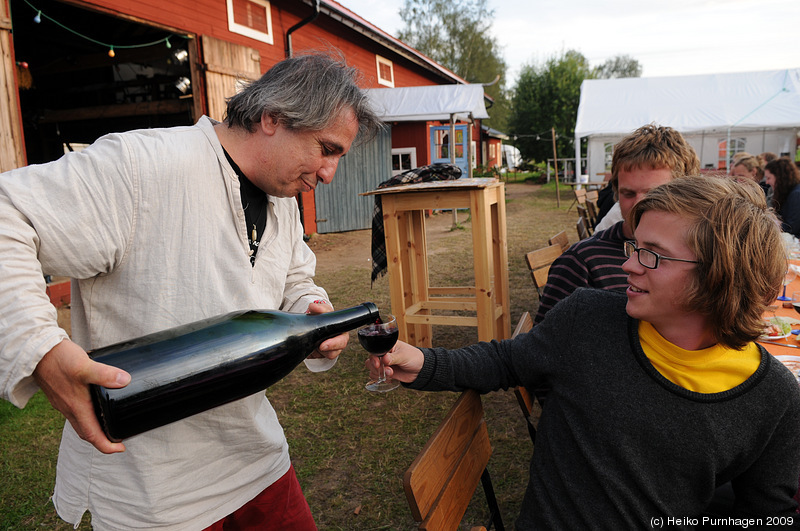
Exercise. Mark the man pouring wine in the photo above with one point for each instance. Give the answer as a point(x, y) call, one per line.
point(159, 228)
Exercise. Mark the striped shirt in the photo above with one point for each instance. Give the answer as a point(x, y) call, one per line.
point(595, 262)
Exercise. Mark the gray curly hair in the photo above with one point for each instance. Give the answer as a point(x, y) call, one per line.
point(307, 92)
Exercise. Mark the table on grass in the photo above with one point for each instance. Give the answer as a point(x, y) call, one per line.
point(787, 350)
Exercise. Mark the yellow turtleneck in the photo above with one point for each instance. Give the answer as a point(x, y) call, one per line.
point(710, 370)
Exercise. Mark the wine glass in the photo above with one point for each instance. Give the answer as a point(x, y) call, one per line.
point(796, 301)
point(788, 277)
point(378, 338)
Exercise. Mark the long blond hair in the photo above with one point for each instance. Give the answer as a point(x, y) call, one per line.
point(738, 245)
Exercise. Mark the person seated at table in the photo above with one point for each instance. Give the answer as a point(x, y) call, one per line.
point(784, 178)
point(649, 156)
point(765, 157)
point(667, 396)
point(749, 168)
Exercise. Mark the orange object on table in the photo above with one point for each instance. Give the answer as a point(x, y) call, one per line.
point(786, 349)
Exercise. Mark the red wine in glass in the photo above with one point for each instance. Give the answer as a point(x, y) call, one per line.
point(378, 338)
point(377, 342)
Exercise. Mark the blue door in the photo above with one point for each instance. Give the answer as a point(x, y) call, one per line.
point(441, 145)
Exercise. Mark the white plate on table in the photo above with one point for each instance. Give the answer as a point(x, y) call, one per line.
point(793, 363)
point(770, 338)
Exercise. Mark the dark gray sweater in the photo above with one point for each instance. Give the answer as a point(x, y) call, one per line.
point(618, 444)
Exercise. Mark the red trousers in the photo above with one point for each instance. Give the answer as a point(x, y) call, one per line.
point(281, 506)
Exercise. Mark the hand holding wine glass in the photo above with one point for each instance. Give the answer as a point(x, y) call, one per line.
point(378, 338)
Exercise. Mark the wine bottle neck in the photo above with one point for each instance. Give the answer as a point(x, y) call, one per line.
point(349, 318)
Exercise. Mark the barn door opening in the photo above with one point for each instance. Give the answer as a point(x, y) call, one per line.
point(72, 90)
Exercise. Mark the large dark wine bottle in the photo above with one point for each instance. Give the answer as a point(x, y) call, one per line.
point(185, 370)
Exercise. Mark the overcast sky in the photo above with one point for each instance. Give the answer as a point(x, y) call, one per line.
point(679, 37)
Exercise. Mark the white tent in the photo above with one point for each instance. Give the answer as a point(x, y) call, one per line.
point(758, 111)
point(428, 103)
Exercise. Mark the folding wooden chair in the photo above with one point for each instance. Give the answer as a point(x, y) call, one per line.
point(591, 212)
point(560, 239)
point(584, 214)
point(539, 264)
point(440, 482)
point(524, 398)
point(583, 233)
point(580, 198)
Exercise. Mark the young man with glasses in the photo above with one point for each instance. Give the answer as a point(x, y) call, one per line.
point(668, 396)
point(650, 156)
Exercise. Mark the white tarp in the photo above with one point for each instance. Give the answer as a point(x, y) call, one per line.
point(701, 103)
point(512, 156)
point(434, 102)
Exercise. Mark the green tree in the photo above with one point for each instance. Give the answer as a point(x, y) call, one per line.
point(618, 66)
point(455, 34)
point(545, 97)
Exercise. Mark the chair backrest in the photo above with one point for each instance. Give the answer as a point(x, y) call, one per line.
point(584, 213)
point(525, 399)
point(583, 233)
point(592, 195)
point(580, 196)
point(539, 264)
point(440, 482)
point(591, 212)
point(560, 239)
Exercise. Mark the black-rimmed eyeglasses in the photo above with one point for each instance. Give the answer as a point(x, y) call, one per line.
point(648, 258)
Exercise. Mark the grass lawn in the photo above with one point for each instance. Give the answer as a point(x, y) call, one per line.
point(350, 447)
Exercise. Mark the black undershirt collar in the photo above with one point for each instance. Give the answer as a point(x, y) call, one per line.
point(254, 204)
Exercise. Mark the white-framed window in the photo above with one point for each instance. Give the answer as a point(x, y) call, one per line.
point(727, 152)
point(608, 155)
point(403, 159)
point(473, 155)
point(252, 18)
point(385, 71)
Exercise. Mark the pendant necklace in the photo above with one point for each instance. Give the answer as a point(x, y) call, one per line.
point(255, 218)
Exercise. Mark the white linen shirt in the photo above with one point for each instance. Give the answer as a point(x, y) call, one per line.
point(151, 224)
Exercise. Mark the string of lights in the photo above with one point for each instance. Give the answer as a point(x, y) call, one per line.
point(111, 53)
point(544, 136)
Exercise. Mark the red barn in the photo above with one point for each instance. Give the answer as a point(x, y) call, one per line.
point(73, 70)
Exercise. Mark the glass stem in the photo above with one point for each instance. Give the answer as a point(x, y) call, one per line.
point(382, 376)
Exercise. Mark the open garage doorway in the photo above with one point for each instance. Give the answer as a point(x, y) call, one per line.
point(72, 90)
